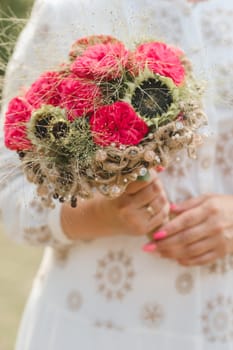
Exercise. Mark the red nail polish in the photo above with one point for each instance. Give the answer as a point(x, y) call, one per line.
point(172, 207)
point(149, 247)
point(160, 235)
point(160, 168)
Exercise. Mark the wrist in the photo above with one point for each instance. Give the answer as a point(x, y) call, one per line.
point(109, 217)
point(91, 219)
point(68, 222)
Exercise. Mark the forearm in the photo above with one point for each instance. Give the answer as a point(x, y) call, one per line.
point(127, 214)
point(90, 220)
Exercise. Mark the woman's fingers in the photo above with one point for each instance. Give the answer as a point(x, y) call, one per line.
point(186, 237)
point(183, 251)
point(191, 251)
point(160, 218)
point(201, 232)
point(201, 247)
point(189, 204)
point(143, 221)
point(151, 193)
point(184, 221)
point(204, 259)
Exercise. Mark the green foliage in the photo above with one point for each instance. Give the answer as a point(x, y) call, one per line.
point(12, 20)
point(18, 267)
point(13, 14)
point(18, 7)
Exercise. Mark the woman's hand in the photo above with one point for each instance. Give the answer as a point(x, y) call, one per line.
point(141, 209)
point(201, 232)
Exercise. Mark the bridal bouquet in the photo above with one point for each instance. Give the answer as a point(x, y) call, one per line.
point(104, 117)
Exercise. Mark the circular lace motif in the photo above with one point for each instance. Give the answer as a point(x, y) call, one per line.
point(220, 266)
point(223, 83)
point(184, 283)
point(152, 314)
point(218, 319)
point(115, 275)
point(74, 300)
point(224, 157)
point(180, 167)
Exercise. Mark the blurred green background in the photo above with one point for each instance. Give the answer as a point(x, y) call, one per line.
point(18, 264)
point(19, 7)
point(13, 15)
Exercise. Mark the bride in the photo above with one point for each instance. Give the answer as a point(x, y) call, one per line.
point(96, 288)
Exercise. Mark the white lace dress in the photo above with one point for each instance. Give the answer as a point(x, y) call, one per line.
point(107, 293)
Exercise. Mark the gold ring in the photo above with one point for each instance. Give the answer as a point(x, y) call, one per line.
point(150, 210)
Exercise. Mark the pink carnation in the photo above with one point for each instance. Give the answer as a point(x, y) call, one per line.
point(15, 131)
point(117, 123)
point(45, 90)
point(78, 97)
point(80, 45)
point(101, 61)
point(161, 59)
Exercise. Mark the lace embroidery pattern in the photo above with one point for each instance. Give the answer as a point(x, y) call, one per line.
point(220, 266)
point(166, 23)
point(74, 301)
point(108, 325)
point(218, 319)
point(115, 275)
point(61, 255)
point(152, 314)
point(41, 234)
point(184, 283)
point(206, 162)
point(223, 82)
point(182, 194)
point(222, 20)
point(224, 157)
point(179, 168)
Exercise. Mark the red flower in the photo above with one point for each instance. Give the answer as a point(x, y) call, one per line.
point(78, 97)
point(45, 90)
point(101, 61)
point(82, 44)
point(161, 59)
point(15, 133)
point(117, 123)
point(177, 51)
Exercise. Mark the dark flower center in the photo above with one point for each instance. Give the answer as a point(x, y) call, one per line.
point(60, 129)
point(42, 126)
point(152, 97)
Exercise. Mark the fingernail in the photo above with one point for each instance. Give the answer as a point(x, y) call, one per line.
point(149, 247)
point(159, 235)
point(160, 168)
point(173, 207)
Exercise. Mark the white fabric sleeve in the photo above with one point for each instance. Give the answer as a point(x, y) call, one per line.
point(23, 215)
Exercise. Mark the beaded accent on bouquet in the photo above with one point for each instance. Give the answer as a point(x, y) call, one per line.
point(105, 117)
